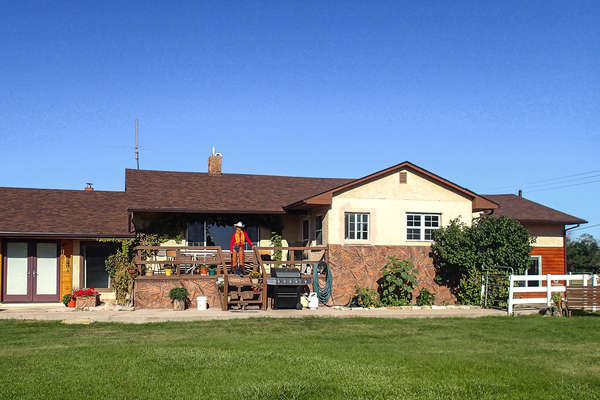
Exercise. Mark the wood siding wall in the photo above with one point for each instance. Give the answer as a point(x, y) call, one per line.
point(66, 267)
point(553, 259)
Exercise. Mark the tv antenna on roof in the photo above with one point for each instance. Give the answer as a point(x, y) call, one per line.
point(137, 152)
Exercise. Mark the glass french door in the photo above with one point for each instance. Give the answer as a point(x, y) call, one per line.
point(30, 271)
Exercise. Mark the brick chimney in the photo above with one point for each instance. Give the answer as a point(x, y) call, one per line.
point(89, 187)
point(214, 163)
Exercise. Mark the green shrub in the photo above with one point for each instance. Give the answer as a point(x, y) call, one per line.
point(425, 298)
point(178, 293)
point(66, 298)
point(367, 297)
point(397, 282)
point(459, 251)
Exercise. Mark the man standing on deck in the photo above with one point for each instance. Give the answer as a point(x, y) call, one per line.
point(238, 240)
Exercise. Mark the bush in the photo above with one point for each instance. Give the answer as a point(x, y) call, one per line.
point(459, 252)
point(425, 298)
point(66, 298)
point(367, 297)
point(178, 293)
point(397, 282)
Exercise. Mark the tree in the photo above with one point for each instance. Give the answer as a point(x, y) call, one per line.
point(583, 254)
point(459, 252)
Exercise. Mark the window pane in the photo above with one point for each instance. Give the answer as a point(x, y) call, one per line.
point(435, 220)
point(346, 226)
point(413, 234)
point(305, 230)
point(195, 234)
point(319, 223)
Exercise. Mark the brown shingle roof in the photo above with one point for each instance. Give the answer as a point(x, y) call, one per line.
point(64, 213)
point(526, 210)
point(227, 193)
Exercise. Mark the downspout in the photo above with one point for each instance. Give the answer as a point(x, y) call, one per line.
point(565, 243)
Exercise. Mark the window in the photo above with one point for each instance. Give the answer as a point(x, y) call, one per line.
point(305, 232)
point(203, 234)
point(319, 230)
point(94, 270)
point(421, 226)
point(535, 268)
point(357, 226)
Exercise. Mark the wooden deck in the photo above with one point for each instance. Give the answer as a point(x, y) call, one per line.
point(238, 291)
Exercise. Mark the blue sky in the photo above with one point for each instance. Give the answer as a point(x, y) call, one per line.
point(491, 95)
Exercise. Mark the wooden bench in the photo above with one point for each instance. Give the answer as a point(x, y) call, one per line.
point(582, 298)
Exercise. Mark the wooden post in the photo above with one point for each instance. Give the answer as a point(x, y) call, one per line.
point(510, 295)
point(548, 290)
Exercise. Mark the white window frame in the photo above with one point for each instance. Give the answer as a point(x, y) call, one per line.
point(539, 260)
point(421, 228)
point(356, 224)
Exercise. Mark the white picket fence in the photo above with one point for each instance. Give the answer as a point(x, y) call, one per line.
point(554, 284)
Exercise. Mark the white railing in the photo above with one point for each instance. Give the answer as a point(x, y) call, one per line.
point(554, 284)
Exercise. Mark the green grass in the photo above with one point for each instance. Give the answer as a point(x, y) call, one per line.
point(484, 358)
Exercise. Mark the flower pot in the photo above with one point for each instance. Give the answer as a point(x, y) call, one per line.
point(254, 281)
point(178, 305)
point(168, 271)
point(71, 303)
point(212, 271)
point(149, 272)
point(132, 271)
point(203, 270)
point(87, 301)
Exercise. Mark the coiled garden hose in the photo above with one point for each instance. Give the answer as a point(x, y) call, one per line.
point(323, 293)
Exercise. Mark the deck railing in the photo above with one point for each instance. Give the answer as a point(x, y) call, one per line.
point(181, 259)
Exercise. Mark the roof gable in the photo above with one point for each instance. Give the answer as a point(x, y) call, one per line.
point(325, 197)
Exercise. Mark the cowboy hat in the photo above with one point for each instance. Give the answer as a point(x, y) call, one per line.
point(240, 225)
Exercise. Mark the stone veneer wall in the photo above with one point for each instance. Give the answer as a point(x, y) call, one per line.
point(361, 265)
point(153, 292)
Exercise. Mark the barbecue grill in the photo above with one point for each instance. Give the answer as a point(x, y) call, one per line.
point(287, 285)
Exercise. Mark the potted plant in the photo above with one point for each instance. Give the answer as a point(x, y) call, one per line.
point(254, 275)
point(86, 298)
point(178, 295)
point(132, 271)
point(203, 270)
point(168, 270)
point(148, 271)
point(68, 300)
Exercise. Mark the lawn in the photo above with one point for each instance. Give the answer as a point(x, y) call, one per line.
point(483, 358)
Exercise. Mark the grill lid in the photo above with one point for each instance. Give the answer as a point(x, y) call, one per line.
point(285, 273)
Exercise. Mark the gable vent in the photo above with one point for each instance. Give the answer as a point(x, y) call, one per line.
point(402, 176)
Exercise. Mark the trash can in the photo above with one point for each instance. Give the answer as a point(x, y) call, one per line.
point(202, 302)
point(313, 301)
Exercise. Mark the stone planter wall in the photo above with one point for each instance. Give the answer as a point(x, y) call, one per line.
point(87, 301)
point(153, 291)
point(361, 265)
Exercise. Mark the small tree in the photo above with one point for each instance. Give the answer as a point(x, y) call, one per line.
point(583, 254)
point(459, 252)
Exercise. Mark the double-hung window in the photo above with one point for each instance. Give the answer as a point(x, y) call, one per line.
point(356, 226)
point(420, 226)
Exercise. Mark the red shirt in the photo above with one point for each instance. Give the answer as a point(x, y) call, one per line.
point(233, 240)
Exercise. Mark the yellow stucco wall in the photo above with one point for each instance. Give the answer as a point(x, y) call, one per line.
point(547, 235)
point(387, 200)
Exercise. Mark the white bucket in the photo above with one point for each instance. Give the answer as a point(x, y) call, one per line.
point(202, 302)
point(313, 301)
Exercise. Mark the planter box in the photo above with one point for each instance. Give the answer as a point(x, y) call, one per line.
point(87, 301)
